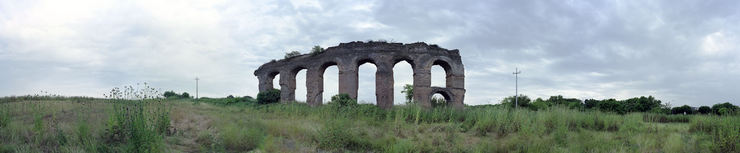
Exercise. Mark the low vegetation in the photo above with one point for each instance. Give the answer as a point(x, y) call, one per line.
point(144, 121)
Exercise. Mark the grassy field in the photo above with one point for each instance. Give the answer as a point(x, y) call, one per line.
point(57, 124)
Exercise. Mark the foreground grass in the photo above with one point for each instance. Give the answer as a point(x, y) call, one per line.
point(85, 125)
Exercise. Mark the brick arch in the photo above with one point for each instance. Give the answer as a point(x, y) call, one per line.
point(449, 97)
point(349, 56)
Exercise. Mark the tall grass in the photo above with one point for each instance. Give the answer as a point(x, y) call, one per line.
point(137, 120)
point(724, 131)
point(242, 137)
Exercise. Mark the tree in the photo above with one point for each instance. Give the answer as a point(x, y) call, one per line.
point(170, 94)
point(408, 90)
point(292, 54)
point(591, 103)
point(685, 109)
point(510, 101)
point(269, 96)
point(661, 110)
point(705, 110)
point(569, 102)
point(641, 104)
point(728, 105)
point(185, 95)
point(316, 50)
point(538, 104)
point(610, 105)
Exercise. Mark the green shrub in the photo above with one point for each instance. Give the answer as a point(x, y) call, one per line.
point(268, 97)
point(334, 135)
point(292, 54)
point(316, 50)
point(343, 100)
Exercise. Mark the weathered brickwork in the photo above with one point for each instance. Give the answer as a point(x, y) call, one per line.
point(349, 56)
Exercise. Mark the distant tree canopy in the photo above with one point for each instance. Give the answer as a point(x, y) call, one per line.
point(511, 101)
point(637, 104)
point(685, 109)
point(728, 108)
point(704, 110)
point(172, 94)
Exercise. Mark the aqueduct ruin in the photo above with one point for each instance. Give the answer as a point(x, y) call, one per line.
point(349, 56)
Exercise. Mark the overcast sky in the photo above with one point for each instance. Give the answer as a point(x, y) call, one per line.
point(682, 52)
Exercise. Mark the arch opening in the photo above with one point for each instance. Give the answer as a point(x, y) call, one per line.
point(330, 76)
point(275, 79)
point(440, 99)
point(403, 74)
point(441, 69)
point(301, 91)
point(366, 82)
point(438, 76)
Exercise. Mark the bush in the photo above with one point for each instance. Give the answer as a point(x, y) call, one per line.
point(269, 96)
point(343, 100)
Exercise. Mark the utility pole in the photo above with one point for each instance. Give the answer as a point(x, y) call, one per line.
point(516, 87)
point(196, 88)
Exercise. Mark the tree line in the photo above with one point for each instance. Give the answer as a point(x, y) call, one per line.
point(636, 104)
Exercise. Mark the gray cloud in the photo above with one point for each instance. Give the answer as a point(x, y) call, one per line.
point(684, 52)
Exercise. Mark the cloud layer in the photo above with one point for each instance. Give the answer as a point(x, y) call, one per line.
point(683, 52)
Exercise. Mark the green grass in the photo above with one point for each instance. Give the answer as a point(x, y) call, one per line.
point(182, 125)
